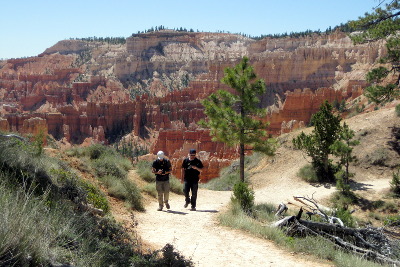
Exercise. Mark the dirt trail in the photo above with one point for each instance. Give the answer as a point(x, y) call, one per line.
point(199, 236)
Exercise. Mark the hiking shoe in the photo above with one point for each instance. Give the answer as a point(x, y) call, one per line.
point(160, 208)
point(167, 205)
point(186, 205)
point(193, 209)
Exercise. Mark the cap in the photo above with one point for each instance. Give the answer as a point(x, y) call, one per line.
point(192, 151)
point(160, 154)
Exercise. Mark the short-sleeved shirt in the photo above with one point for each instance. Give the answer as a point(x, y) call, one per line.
point(191, 175)
point(165, 166)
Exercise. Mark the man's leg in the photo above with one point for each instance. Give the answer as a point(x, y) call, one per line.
point(159, 188)
point(186, 188)
point(166, 193)
point(194, 187)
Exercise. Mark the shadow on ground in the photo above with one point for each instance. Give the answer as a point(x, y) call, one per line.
point(360, 186)
point(211, 211)
point(176, 212)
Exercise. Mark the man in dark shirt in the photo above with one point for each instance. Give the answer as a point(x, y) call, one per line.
point(162, 168)
point(191, 168)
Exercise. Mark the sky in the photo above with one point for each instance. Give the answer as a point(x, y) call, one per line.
point(28, 27)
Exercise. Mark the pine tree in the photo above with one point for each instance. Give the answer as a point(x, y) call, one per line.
point(382, 23)
point(231, 117)
point(342, 148)
point(318, 144)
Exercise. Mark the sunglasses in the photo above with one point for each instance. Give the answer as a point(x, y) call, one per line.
point(192, 155)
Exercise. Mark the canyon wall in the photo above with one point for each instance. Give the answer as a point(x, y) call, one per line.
point(151, 87)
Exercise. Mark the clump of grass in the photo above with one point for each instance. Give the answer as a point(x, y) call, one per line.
point(379, 157)
point(111, 164)
point(22, 238)
point(395, 183)
point(235, 217)
point(175, 185)
point(150, 189)
point(124, 189)
point(143, 168)
point(264, 212)
point(397, 110)
point(308, 174)
point(253, 160)
point(228, 177)
point(76, 151)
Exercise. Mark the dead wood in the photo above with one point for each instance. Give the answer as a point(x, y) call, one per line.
point(282, 208)
point(369, 243)
point(314, 209)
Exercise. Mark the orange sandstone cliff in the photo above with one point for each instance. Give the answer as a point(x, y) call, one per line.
point(151, 86)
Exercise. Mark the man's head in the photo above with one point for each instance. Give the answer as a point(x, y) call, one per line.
point(160, 155)
point(192, 153)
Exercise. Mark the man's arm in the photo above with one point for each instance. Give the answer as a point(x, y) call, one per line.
point(169, 168)
point(198, 166)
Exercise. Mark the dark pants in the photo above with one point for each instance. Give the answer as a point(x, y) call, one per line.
point(194, 186)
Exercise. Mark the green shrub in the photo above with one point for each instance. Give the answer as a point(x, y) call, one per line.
point(175, 185)
point(125, 190)
point(95, 196)
point(343, 200)
point(346, 217)
point(397, 110)
point(244, 196)
point(379, 157)
point(228, 177)
point(98, 150)
point(143, 168)
point(395, 183)
point(264, 212)
point(341, 184)
point(393, 220)
point(112, 165)
point(167, 256)
point(76, 151)
point(308, 174)
point(150, 189)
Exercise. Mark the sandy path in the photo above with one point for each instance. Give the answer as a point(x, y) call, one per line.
point(197, 235)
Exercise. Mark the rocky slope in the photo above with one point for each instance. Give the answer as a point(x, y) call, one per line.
point(150, 87)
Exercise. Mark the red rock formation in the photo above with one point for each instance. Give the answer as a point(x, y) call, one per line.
point(84, 100)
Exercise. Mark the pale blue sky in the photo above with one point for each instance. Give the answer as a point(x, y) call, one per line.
point(28, 27)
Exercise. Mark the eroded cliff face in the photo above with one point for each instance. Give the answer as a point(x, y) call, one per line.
point(151, 87)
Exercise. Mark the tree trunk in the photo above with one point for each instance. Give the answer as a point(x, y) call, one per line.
point(242, 162)
point(326, 164)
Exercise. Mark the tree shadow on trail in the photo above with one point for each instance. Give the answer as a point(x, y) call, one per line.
point(360, 186)
point(325, 185)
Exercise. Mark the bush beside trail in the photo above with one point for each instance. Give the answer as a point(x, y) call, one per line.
point(42, 196)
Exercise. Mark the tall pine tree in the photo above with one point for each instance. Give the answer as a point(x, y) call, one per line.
point(233, 117)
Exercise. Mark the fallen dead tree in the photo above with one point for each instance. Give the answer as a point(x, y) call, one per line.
point(368, 243)
point(376, 244)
